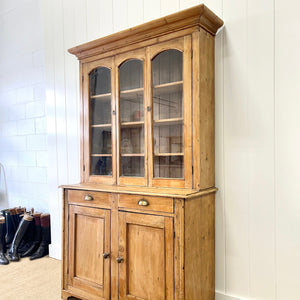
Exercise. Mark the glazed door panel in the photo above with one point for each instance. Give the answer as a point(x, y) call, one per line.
point(146, 254)
point(89, 242)
point(170, 142)
point(99, 123)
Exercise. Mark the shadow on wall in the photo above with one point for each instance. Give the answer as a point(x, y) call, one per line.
point(3, 189)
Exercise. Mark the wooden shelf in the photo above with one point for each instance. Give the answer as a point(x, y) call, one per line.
point(169, 154)
point(132, 94)
point(132, 124)
point(172, 121)
point(101, 126)
point(101, 155)
point(133, 155)
point(102, 96)
point(167, 88)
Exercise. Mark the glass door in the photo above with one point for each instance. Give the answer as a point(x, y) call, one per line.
point(171, 119)
point(99, 122)
point(132, 163)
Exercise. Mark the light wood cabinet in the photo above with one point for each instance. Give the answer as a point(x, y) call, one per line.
point(140, 225)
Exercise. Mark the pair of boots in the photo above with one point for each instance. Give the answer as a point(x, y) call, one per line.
point(37, 249)
point(12, 220)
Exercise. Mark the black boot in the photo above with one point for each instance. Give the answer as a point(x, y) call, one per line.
point(13, 251)
point(10, 227)
point(34, 244)
point(3, 259)
point(46, 238)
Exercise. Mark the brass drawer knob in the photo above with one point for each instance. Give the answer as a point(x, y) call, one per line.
point(105, 255)
point(120, 259)
point(143, 202)
point(88, 197)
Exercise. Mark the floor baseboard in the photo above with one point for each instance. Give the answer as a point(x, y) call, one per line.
point(220, 296)
point(55, 251)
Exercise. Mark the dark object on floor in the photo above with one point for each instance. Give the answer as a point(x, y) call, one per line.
point(23, 226)
point(10, 227)
point(43, 249)
point(3, 259)
point(34, 243)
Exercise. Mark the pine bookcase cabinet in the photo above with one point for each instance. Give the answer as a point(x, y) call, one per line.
point(140, 225)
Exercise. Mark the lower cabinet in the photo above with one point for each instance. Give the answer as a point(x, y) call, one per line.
point(137, 247)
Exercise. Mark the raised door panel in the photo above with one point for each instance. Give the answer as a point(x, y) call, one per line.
point(146, 247)
point(89, 239)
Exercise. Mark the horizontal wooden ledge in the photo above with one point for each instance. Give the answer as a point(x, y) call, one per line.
point(101, 126)
point(172, 121)
point(143, 190)
point(169, 84)
point(168, 154)
point(102, 96)
point(101, 155)
point(132, 124)
point(131, 91)
point(132, 155)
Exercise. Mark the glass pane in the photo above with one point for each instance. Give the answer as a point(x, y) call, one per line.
point(132, 118)
point(168, 166)
point(100, 111)
point(168, 112)
point(167, 67)
point(100, 122)
point(100, 82)
point(101, 165)
point(132, 107)
point(131, 75)
point(132, 166)
point(168, 139)
point(132, 140)
point(101, 138)
point(167, 103)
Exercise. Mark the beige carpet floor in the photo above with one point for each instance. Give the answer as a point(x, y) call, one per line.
point(39, 279)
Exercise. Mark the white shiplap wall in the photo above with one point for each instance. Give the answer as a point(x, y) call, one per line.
point(257, 129)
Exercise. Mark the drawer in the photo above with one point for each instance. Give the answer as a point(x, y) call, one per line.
point(145, 203)
point(89, 198)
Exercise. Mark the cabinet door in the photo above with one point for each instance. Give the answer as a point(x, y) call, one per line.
point(130, 82)
point(170, 145)
point(89, 249)
point(99, 132)
point(145, 257)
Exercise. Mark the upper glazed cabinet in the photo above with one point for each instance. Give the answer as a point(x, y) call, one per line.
point(147, 102)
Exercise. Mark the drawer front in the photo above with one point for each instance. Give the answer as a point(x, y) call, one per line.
point(89, 198)
point(145, 203)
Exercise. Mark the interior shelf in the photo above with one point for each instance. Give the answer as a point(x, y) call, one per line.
point(168, 154)
point(172, 87)
point(101, 126)
point(102, 96)
point(132, 124)
point(131, 94)
point(101, 155)
point(172, 121)
point(133, 154)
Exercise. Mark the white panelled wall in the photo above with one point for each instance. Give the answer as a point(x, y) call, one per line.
point(23, 126)
point(257, 124)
